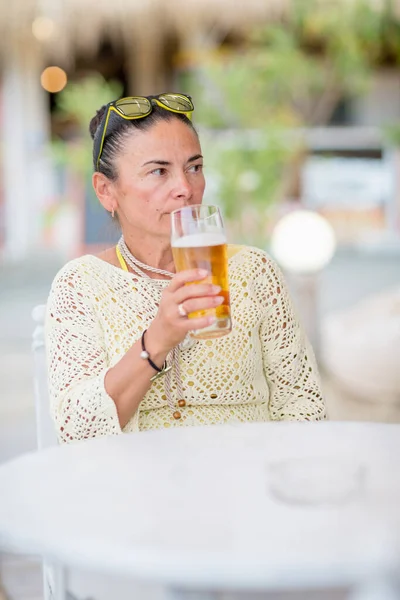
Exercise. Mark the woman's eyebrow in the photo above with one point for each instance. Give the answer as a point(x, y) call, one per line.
point(163, 163)
point(195, 157)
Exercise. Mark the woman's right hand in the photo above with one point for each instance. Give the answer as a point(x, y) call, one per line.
point(169, 327)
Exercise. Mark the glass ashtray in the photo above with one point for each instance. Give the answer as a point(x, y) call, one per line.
point(315, 481)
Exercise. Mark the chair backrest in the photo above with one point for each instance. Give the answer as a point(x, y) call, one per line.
point(45, 430)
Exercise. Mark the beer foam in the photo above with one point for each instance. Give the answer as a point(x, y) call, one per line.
point(199, 240)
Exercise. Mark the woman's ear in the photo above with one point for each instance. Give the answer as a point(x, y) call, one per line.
point(105, 191)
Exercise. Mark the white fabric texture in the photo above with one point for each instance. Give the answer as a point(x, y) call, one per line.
point(264, 370)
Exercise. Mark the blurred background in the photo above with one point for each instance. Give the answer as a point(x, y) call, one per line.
point(298, 109)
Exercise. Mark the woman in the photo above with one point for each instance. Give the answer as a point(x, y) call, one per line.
point(113, 320)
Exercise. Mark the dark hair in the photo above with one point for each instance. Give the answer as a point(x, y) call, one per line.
point(122, 129)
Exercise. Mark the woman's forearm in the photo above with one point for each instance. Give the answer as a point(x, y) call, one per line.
point(129, 380)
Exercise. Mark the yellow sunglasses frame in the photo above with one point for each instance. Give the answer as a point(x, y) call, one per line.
point(113, 108)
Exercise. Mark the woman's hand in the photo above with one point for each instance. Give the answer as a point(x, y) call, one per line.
point(171, 325)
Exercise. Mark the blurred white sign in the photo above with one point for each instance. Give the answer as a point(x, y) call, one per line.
point(354, 183)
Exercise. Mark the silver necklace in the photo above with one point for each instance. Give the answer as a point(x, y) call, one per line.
point(139, 267)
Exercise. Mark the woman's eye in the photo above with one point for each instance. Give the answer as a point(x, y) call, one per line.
point(196, 168)
point(159, 172)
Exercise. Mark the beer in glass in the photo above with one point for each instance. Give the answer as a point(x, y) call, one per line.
point(198, 241)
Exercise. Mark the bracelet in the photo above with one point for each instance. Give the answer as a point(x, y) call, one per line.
point(146, 356)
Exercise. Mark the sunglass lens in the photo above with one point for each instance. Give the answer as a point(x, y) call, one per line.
point(133, 107)
point(176, 102)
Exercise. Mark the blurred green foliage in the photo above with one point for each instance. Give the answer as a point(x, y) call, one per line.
point(392, 134)
point(249, 167)
point(285, 75)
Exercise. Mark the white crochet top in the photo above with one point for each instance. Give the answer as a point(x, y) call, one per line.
point(264, 370)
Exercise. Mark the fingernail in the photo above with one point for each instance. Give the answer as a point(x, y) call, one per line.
point(216, 289)
point(219, 299)
point(202, 272)
point(212, 320)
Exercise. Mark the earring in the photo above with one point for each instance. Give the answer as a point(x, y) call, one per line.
point(112, 213)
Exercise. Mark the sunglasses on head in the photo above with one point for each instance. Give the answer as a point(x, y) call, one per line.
point(138, 107)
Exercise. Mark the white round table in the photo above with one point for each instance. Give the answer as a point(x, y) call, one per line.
point(191, 508)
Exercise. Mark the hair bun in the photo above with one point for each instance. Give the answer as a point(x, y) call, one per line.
point(95, 122)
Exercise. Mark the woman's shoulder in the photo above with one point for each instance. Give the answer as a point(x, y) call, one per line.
point(253, 266)
point(79, 283)
point(249, 255)
point(77, 266)
point(74, 290)
point(81, 271)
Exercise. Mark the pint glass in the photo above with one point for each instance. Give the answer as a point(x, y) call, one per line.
point(198, 241)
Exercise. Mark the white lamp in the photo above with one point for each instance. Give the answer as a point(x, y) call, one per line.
point(303, 242)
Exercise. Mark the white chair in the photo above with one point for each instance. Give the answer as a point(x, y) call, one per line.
point(46, 434)
point(53, 575)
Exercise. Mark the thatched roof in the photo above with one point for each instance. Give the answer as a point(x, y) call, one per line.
point(81, 24)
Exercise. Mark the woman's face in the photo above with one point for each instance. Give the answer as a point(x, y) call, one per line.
point(160, 170)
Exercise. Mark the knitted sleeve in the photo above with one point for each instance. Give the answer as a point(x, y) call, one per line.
point(77, 361)
point(289, 362)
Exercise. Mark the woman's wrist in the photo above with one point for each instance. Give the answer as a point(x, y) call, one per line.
point(155, 347)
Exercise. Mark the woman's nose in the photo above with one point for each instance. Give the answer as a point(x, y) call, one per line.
point(182, 188)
